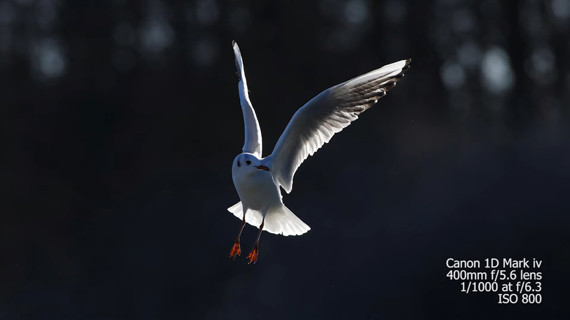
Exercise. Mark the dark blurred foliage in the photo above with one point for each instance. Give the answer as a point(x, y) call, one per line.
point(120, 120)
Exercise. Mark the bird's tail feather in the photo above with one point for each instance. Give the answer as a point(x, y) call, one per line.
point(278, 221)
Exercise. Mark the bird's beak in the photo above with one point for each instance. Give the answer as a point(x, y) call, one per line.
point(262, 167)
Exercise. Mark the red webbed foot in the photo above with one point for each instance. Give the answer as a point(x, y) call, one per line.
point(253, 255)
point(236, 250)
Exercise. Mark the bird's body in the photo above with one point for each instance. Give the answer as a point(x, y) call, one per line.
point(261, 197)
point(258, 180)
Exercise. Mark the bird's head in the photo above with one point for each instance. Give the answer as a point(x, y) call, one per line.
point(246, 164)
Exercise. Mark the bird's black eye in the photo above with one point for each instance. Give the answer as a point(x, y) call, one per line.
point(239, 164)
point(247, 162)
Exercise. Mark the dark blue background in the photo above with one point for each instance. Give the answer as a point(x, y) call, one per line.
point(120, 121)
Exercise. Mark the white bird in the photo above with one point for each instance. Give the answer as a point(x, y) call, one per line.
point(257, 180)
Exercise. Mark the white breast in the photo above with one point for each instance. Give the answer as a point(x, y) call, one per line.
point(257, 191)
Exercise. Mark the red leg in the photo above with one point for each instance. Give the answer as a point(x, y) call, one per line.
point(236, 250)
point(253, 254)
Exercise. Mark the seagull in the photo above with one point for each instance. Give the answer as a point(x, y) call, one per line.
point(258, 180)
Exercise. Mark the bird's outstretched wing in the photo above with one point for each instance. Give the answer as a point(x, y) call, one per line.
point(252, 142)
point(326, 114)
